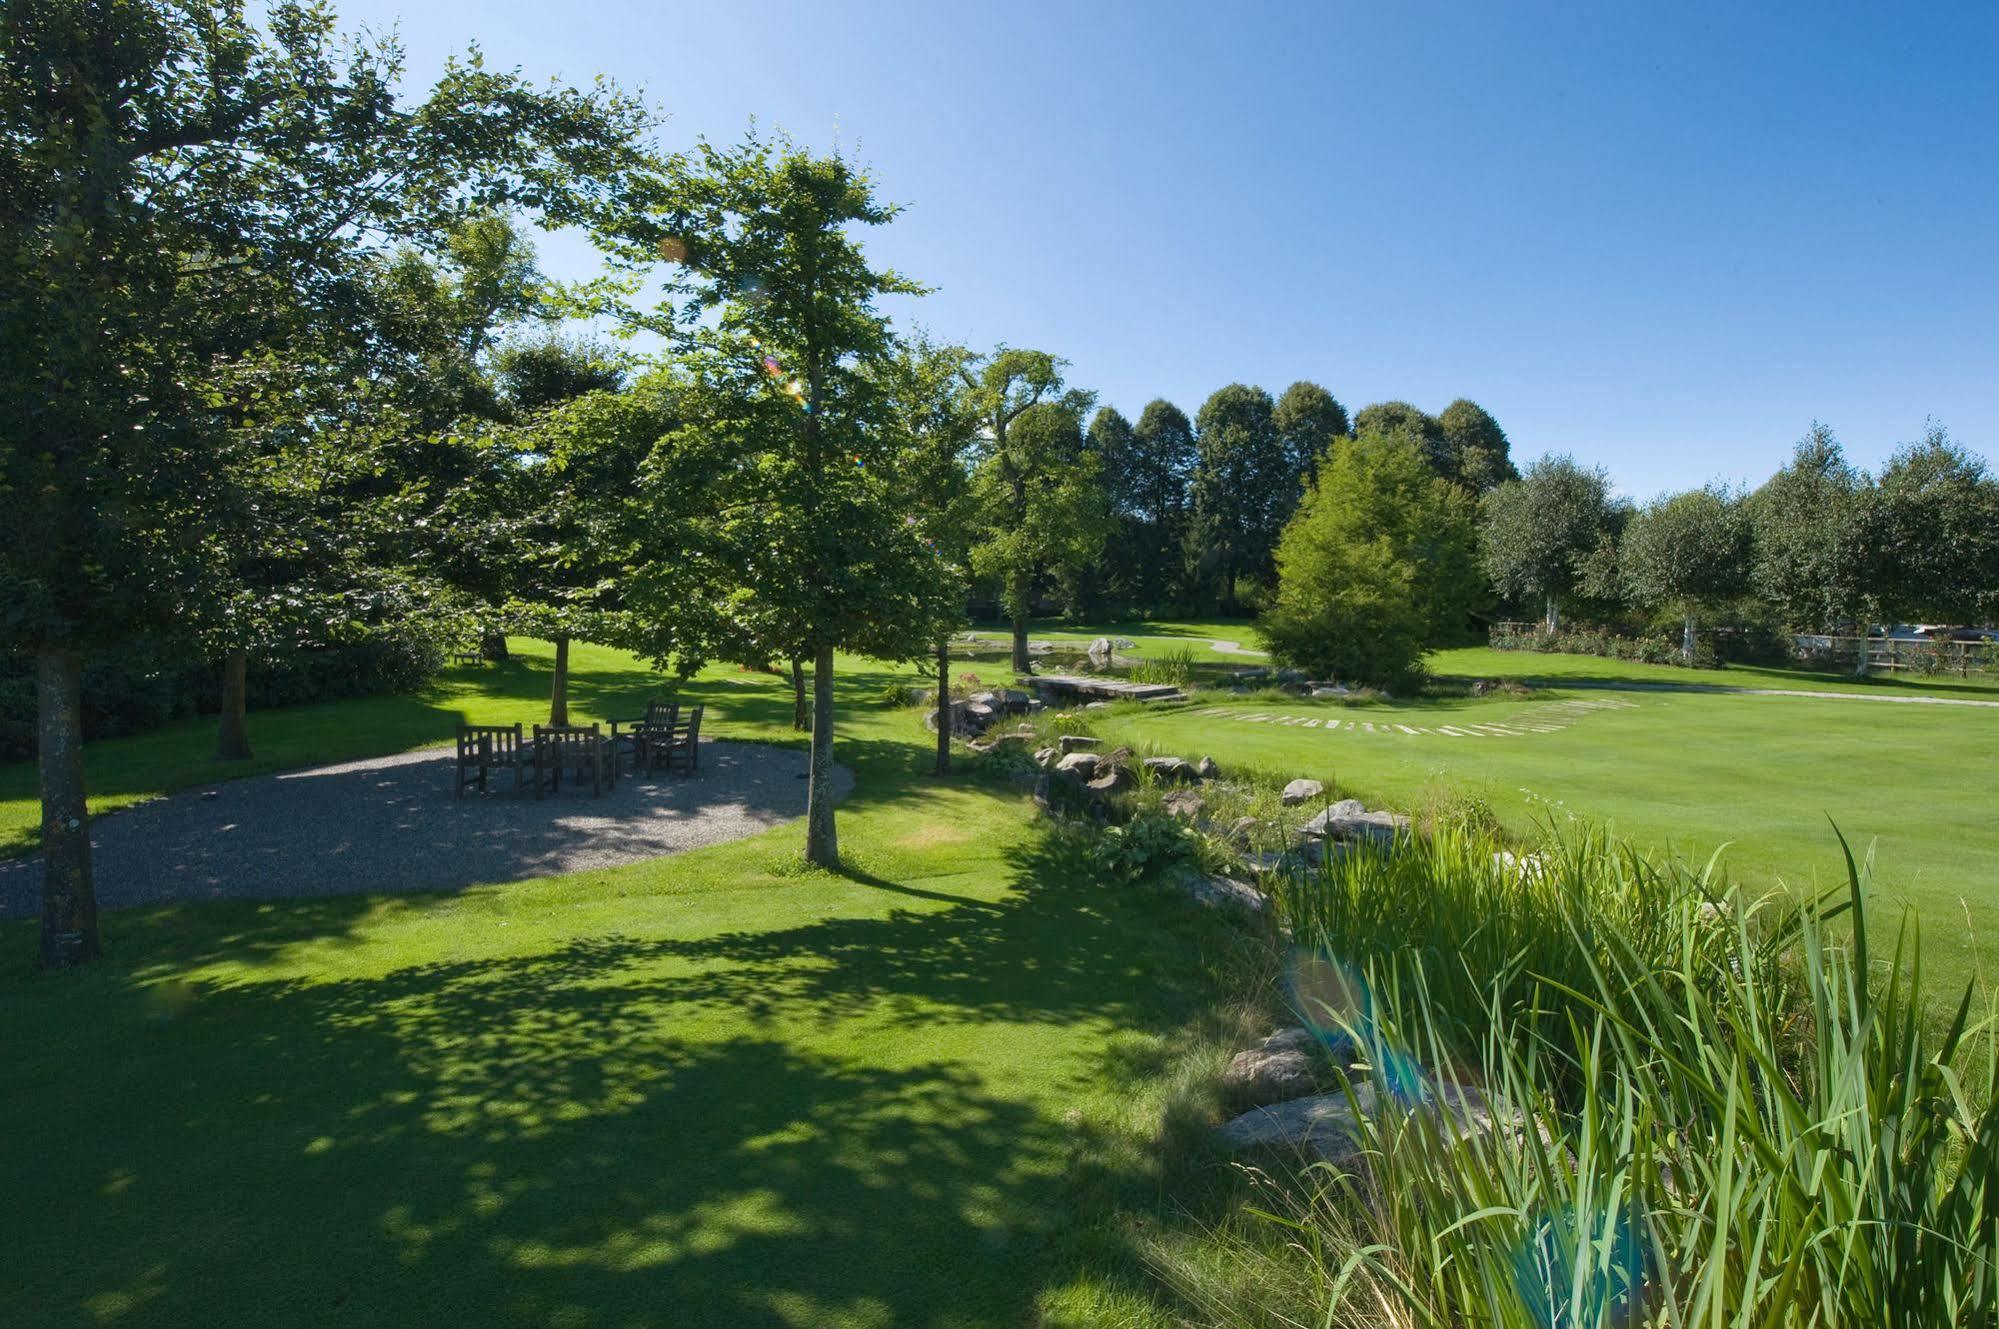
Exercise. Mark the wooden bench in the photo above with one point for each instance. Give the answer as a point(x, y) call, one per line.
point(471, 657)
point(484, 748)
point(578, 749)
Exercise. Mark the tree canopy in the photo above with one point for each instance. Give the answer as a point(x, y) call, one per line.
point(1243, 489)
point(1686, 553)
point(1540, 532)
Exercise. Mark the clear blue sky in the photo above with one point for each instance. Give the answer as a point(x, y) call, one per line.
point(1662, 238)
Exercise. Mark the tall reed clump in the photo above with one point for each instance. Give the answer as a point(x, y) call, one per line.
point(1608, 1091)
point(1173, 669)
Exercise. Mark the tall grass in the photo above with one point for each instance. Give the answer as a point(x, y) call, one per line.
point(1174, 669)
point(1697, 1110)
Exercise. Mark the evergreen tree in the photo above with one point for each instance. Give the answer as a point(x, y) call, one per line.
point(1243, 490)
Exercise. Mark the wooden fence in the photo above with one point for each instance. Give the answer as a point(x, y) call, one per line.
point(1889, 654)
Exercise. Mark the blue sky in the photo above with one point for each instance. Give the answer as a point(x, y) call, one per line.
point(1661, 238)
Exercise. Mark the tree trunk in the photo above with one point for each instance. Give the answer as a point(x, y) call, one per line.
point(1687, 641)
point(493, 646)
point(558, 689)
point(232, 736)
point(69, 905)
point(1022, 663)
point(801, 717)
point(822, 844)
point(943, 706)
point(1554, 616)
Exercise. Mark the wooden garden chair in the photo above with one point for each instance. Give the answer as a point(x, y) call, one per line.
point(683, 749)
point(483, 748)
point(651, 734)
point(578, 749)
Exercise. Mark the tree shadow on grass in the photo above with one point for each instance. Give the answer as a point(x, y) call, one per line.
point(620, 1130)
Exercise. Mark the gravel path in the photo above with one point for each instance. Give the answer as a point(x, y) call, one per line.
point(1234, 648)
point(391, 825)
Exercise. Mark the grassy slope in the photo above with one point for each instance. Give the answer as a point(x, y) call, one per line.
point(1760, 773)
point(714, 1089)
point(1483, 662)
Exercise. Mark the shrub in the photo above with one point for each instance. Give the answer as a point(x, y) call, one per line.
point(1374, 568)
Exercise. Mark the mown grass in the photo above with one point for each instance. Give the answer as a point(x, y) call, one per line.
point(1761, 776)
point(718, 1088)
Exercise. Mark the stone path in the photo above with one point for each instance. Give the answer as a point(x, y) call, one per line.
point(1547, 718)
point(1234, 648)
point(390, 824)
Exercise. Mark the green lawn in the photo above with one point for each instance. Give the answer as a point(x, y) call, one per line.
point(1762, 774)
point(717, 1089)
point(1484, 662)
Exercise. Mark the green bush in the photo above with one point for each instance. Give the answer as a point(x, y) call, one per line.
point(147, 687)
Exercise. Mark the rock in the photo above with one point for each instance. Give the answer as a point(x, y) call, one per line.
point(1206, 768)
point(1077, 742)
point(1287, 1064)
point(1082, 765)
point(1349, 819)
point(1325, 1126)
point(1184, 803)
point(976, 746)
point(1119, 753)
point(1173, 770)
point(1302, 791)
point(1325, 693)
point(1290, 676)
point(986, 698)
point(1244, 829)
point(1100, 651)
point(1124, 644)
point(1045, 757)
point(1097, 706)
point(1224, 893)
point(1035, 705)
point(1328, 1127)
point(1529, 867)
point(1014, 699)
point(1114, 780)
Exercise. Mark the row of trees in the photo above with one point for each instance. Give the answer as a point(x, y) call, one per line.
point(1199, 505)
point(1821, 546)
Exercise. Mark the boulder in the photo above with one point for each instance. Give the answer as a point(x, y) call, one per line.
point(1100, 651)
point(1244, 829)
point(1349, 819)
point(1173, 770)
point(986, 698)
point(1324, 1126)
point(1330, 692)
point(1014, 699)
point(1287, 1064)
point(1113, 780)
point(1206, 768)
point(1224, 893)
point(1082, 765)
point(1328, 1126)
point(1045, 757)
point(1097, 706)
point(1124, 643)
point(1076, 743)
point(1119, 753)
point(1302, 791)
point(1290, 676)
point(1184, 804)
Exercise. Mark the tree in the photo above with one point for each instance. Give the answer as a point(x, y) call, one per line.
point(1807, 529)
point(1375, 568)
point(1932, 523)
point(935, 437)
point(1145, 469)
point(1475, 447)
point(1308, 418)
point(1393, 417)
point(1040, 501)
point(1243, 489)
point(1539, 533)
point(1686, 553)
point(159, 162)
point(774, 510)
point(1041, 508)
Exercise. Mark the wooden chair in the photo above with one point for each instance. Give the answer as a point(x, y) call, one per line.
point(650, 736)
point(579, 749)
point(483, 748)
point(683, 749)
